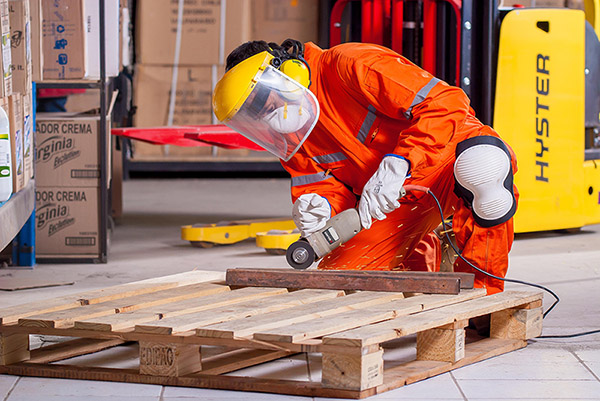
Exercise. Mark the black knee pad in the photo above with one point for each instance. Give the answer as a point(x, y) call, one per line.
point(484, 179)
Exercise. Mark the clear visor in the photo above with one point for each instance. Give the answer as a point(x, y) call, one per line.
point(278, 115)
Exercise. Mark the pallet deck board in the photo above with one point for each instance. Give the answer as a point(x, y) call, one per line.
point(12, 314)
point(406, 325)
point(275, 299)
point(327, 308)
point(415, 371)
point(66, 318)
point(277, 386)
point(238, 359)
point(70, 349)
point(322, 326)
point(202, 340)
point(127, 320)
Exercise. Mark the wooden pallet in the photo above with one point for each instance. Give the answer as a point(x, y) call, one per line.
point(175, 320)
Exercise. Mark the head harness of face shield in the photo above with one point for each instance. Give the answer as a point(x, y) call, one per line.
point(266, 98)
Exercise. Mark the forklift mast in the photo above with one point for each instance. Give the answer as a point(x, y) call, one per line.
point(455, 40)
point(504, 60)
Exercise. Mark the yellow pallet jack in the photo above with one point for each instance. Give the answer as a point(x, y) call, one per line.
point(231, 232)
point(276, 242)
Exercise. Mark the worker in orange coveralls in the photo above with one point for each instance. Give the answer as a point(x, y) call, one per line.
point(376, 122)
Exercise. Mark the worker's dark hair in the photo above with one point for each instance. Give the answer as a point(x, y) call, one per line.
point(249, 49)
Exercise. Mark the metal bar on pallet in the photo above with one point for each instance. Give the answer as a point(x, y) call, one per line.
point(436, 283)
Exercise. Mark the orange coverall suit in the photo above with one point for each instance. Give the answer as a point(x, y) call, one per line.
point(375, 102)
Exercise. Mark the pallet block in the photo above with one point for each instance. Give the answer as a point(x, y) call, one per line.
point(175, 327)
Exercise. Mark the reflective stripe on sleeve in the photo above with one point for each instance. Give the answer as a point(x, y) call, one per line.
point(330, 158)
point(366, 125)
point(309, 179)
point(421, 95)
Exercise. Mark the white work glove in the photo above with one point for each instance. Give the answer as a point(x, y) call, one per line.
point(310, 213)
point(380, 194)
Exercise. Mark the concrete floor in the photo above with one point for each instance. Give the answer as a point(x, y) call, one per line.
point(146, 243)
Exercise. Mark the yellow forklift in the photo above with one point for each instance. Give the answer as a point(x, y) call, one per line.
point(531, 73)
point(547, 107)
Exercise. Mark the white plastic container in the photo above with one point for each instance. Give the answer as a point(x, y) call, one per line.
point(6, 182)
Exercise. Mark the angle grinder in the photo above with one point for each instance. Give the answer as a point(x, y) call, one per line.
point(338, 230)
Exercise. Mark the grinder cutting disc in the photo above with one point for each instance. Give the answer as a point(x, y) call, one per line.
point(300, 255)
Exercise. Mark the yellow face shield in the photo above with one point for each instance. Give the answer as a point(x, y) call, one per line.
point(271, 109)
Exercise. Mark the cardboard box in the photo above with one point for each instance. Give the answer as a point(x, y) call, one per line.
point(512, 3)
point(63, 42)
point(192, 103)
point(548, 3)
point(28, 148)
point(5, 65)
point(67, 150)
point(278, 20)
point(20, 27)
point(84, 101)
point(203, 37)
point(71, 41)
point(111, 38)
point(67, 221)
point(37, 55)
point(576, 4)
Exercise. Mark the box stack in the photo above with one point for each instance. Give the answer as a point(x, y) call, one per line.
point(15, 88)
point(68, 185)
point(70, 39)
point(70, 218)
point(181, 48)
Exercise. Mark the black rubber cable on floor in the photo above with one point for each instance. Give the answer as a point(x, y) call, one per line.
point(557, 299)
point(585, 333)
point(428, 191)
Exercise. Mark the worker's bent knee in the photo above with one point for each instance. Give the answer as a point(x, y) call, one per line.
point(484, 179)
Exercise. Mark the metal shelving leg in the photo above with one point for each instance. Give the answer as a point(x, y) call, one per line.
point(25, 243)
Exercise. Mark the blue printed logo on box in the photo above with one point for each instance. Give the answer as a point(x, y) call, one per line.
point(63, 59)
point(60, 28)
point(60, 44)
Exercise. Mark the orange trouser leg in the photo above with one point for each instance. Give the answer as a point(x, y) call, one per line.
point(486, 248)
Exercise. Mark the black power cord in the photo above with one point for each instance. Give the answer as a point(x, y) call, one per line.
point(557, 299)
